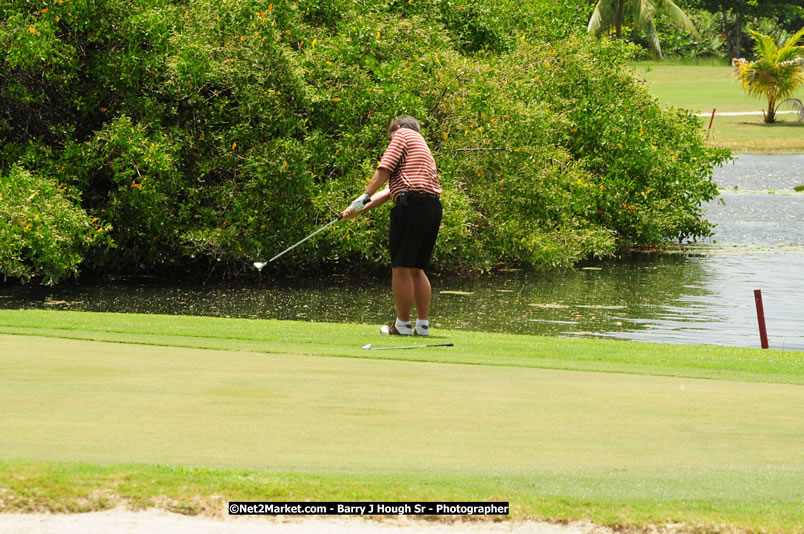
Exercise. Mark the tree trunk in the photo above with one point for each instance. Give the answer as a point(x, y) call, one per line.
point(619, 17)
point(738, 34)
point(727, 33)
point(770, 116)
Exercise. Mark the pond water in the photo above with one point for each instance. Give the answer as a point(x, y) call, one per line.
point(759, 204)
point(702, 296)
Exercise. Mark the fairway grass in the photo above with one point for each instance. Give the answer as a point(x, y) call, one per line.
point(472, 348)
point(188, 413)
point(749, 134)
point(702, 88)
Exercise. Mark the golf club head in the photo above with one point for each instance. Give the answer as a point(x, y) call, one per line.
point(367, 346)
point(259, 265)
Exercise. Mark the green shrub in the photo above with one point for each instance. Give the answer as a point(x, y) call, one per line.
point(651, 164)
point(43, 233)
point(213, 136)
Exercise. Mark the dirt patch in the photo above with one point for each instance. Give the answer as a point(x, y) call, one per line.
point(124, 521)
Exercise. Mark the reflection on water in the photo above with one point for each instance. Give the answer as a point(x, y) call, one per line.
point(680, 299)
point(759, 173)
point(673, 298)
point(758, 218)
point(758, 203)
point(717, 307)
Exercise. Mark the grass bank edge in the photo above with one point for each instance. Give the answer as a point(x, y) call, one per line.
point(474, 348)
point(30, 487)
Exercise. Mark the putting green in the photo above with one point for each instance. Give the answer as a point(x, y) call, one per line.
point(621, 433)
point(79, 401)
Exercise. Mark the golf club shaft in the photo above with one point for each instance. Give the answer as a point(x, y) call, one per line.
point(413, 346)
point(305, 239)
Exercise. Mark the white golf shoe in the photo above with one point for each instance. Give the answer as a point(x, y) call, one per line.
point(397, 329)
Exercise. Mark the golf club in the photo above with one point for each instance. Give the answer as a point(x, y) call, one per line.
point(369, 347)
point(260, 264)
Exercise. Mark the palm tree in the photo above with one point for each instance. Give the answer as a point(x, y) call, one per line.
point(611, 14)
point(777, 72)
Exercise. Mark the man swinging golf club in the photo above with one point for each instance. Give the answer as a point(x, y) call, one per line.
point(410, 170)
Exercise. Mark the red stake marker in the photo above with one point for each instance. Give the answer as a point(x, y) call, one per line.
point(708, 130)
point(763, 334)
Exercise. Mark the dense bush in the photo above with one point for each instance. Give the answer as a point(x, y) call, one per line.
point(218, 133)
point(43, 233)
point(649, 162)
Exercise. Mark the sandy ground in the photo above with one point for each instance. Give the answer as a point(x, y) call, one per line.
point(122, 521)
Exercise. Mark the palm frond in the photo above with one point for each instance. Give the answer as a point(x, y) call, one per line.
point(764, 46)
point(798, 36)
point(653, 38)
point(790, 51)
point(750, 76)
point(647, 10)
point(677, 16)
point(794, 104)
point(602, 17)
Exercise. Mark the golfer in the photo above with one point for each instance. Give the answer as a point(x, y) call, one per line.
point(410, 170)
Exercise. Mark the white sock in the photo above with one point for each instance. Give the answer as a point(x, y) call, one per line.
point(400, 324)
point(422, 322)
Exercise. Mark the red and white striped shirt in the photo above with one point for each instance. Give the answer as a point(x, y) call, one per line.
point(411, 164)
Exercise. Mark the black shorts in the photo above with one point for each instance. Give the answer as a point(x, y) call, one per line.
point(414, 229)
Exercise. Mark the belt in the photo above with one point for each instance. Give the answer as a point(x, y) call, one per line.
point(419, 194)
point(403, 197)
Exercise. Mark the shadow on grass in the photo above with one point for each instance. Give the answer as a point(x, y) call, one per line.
point(777, 124)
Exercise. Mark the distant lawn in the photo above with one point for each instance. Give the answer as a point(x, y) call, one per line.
point(750, 134)
point(99, 409)
point(702, 88)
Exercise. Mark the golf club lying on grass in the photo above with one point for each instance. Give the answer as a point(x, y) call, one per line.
point(260, 264)
point(369, 347)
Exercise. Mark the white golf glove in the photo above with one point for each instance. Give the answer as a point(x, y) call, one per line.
point(361, 201)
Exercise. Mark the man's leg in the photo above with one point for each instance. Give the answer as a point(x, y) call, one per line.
point(421, 293)
point(402, 287)
point(410, 285)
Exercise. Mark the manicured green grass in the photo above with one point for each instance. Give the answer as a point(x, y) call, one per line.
point(629, 500)
point(746, 134)
point(702, 88)
point(475, 348)
point(697, 88)
point(271, 410)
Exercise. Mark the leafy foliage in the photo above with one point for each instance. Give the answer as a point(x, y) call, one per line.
point(651, 190)
point(678, 43)
point(779, 18)
point(43, 233)
point(215, 136)
point(611, 15)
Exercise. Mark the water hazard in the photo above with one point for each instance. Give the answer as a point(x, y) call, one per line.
point(702, 296)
